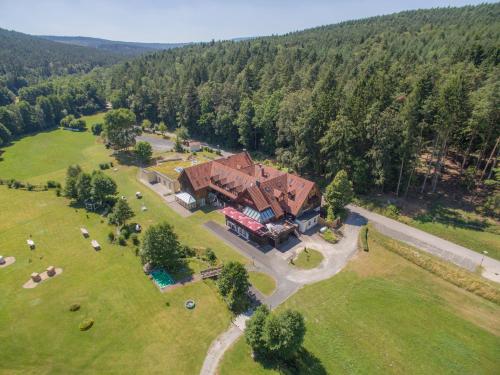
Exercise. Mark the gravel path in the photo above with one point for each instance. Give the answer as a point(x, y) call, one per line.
point(447, 250)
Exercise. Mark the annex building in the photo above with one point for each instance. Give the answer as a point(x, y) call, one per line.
point(260, 203)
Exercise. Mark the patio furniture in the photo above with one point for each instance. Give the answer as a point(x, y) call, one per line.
point(96, 245)
point(35, 276)
point(85, 232)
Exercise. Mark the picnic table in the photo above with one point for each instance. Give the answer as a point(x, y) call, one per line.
point(95, 245)
point(85, 232)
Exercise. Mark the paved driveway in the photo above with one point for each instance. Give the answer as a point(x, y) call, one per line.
point(447, 250)
point(158, 144)
point(288, 279)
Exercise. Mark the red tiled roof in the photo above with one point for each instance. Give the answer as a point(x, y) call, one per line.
point(242, 219)
point(266, 186)
point(258, 198)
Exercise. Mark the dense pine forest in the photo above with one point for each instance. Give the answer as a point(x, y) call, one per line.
point(394, 100)
point(370, 96)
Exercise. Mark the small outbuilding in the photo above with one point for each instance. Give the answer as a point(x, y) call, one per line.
point(194, 146)
point(186, 200)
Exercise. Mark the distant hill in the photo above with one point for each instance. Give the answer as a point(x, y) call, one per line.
point(118, 47)
point(25, 59)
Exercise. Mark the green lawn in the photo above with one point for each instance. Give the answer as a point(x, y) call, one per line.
point(134, 329)
point(263, 282)
point(384, 315)
point(464, 228)
point(308, 258)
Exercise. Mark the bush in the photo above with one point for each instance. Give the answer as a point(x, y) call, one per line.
point(103, 166)
point(58, 192)
point(96, 129)
point(86, 324)
point(29, 187)
point(210, 256)
point(363, 237)
point(51, 184)
point(74, 307)
point(111, 237)
point(392, 211)
point(122, 240)
point(125, 231)
point(135, 239)
point(329, 236)
point(187, 251)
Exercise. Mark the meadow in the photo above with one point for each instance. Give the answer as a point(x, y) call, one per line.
point(137, 328)
point(384, 315)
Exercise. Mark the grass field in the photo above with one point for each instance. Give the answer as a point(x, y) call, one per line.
point(135, 331)
point(384, 315)
point(464, 228)
point(263, 282)
point(308, 258)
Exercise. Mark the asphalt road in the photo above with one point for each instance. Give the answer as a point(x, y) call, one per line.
point(158, 144)
point(434, 245)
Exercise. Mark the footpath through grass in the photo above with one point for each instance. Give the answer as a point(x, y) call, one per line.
point(136, 327)
point(384, 315)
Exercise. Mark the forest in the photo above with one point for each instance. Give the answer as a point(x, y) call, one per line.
point(394, 100)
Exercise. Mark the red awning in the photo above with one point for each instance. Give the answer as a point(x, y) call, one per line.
point(242, 219)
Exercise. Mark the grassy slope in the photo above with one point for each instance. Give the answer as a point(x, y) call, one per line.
point(263, 282)
point(134, 329)
point(382, 314)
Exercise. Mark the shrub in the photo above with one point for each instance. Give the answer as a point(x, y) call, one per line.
point(96, 129)
point(125, 231)
point(210, 256)
point(135, 239)
point(392, 211)
point(363, 237)
point(111, 237)
point(51, 184)
point(103, 166)
point(122, 240)
point(58, 192)
point(29, 186)
point(86, 324)
point(329, 236)
point(74, 307)
point(187, 251)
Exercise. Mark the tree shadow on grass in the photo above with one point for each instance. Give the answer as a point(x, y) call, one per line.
point(127, 157)
point(304, 362)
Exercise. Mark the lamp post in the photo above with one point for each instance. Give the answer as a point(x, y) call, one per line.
point(484, 253)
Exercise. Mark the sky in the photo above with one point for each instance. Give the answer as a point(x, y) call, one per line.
point(171, 21)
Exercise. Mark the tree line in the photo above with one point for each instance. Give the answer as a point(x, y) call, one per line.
point(389, 99)
point(44, 105)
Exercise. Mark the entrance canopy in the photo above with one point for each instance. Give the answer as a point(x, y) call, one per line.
point(242, 219)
